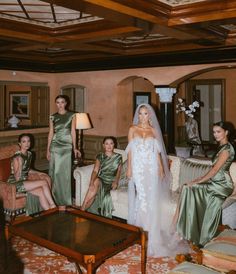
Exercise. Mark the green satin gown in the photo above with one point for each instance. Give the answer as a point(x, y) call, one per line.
point(201, 205)
point(32, 201)
point(102, 204)
point(61, 157)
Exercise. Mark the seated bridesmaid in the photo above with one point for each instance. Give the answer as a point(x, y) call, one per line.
point(25, 178)
point(200, 206)
point(105, 176)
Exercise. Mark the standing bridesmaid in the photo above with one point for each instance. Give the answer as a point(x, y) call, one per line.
point(61, 140)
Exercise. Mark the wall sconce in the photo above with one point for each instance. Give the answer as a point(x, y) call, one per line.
point(165, 93)
point(82, 122)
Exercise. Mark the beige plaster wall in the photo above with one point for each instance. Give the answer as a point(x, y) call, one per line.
point(109, 93)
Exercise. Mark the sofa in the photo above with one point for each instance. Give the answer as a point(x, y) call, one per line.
point(182, 169)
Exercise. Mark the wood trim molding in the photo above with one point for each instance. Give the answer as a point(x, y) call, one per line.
point(191, 57)
point(92, 145)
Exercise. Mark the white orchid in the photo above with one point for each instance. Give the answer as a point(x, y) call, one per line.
point(188, 110)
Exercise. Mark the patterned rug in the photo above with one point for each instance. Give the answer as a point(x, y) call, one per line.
point(26, 257)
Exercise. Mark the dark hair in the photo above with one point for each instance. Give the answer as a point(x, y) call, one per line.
point(66, 98)
point(110, 138)
point(24, 135)
point(229, 127)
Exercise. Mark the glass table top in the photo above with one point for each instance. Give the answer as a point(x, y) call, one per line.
point(86, 236)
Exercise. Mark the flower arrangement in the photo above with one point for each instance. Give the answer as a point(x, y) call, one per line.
point(188, 110)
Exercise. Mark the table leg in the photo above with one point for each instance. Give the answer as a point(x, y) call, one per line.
point(90, 260)
point(143, 252)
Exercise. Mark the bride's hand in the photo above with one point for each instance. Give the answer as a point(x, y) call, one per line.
point(161, 173)
point(128, 173)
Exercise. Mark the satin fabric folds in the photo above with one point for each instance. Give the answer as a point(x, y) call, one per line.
point(60, 158)
point(32, 201)
point(201, 205)
point(102, 204)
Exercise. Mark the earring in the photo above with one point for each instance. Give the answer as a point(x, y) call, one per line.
point(150, 122)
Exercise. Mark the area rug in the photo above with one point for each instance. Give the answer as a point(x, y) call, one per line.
point(36, 259)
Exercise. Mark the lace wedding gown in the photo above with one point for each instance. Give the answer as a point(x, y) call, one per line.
point(147, 193)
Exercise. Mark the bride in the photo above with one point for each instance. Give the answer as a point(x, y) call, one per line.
point(149, 181)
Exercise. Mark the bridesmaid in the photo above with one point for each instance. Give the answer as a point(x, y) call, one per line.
point(61, 140)
point(27, 180)
point(104, 178)
point(199, 210)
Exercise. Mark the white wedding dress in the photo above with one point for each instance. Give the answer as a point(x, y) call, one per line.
point(149, 206)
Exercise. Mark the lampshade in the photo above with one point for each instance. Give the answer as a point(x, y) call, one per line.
point(82, 121)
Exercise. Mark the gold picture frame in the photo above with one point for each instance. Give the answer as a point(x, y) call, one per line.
point(20, 104)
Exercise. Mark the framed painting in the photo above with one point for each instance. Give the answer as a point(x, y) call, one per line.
point(141, 98)
point(19, 104)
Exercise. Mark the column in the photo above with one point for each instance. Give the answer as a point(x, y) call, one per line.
point(167, 115)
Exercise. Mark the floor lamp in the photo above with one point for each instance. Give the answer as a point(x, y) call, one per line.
point(82, 122)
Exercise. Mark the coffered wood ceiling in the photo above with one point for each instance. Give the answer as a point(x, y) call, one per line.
point(77, 35)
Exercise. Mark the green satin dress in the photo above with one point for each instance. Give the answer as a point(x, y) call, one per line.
point(32, 201)
point(201, 205)
point(61, 157)
point(102, 204)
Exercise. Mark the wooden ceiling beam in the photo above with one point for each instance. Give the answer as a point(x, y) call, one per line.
point(31, 47)
point(206, 11)
point(23, 36)
point(85, 34)
point(75, 45)
point(123, 8)
point(104, 8)
point(97, 10)
point(161, 48)
point(174, 33)
point(98, 35)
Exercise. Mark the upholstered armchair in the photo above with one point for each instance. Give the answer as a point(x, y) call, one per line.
point(14, 203)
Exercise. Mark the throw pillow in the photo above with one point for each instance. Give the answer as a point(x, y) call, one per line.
point(123, 182)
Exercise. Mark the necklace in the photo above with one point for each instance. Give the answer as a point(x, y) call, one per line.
point(143, 126)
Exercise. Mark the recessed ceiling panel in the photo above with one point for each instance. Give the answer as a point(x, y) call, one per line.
point(180, 2)
point(55, 33)
point(41, 13)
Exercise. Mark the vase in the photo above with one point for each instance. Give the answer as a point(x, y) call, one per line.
point(13, 121)
point(183, 152)
point(192, 130)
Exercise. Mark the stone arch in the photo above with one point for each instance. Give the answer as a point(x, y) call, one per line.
point(125, 93)
point(198, 72)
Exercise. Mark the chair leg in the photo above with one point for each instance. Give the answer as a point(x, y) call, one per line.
point(6, 231)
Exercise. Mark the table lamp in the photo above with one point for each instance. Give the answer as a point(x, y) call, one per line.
point(82, 122)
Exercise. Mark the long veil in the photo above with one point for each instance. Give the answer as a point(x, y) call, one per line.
point(158, 135)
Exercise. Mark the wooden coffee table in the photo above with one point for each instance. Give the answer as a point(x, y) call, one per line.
point(82, 237)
